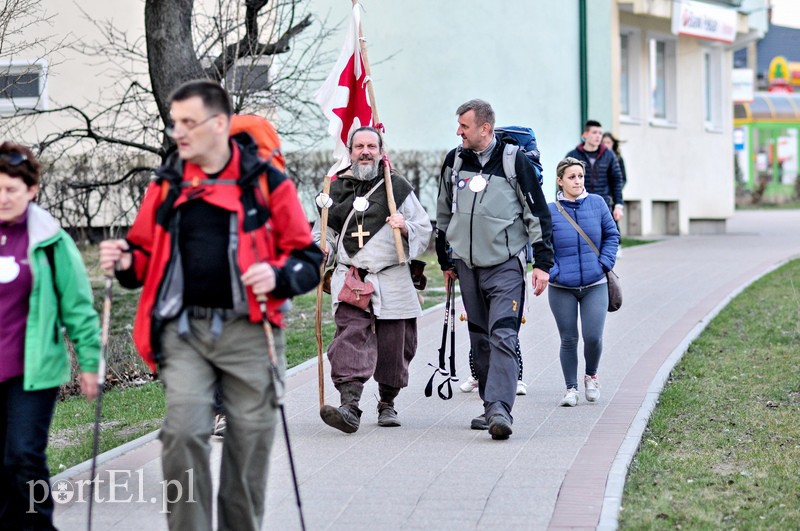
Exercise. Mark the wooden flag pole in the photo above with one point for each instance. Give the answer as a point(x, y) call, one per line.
point(387, 176)
point(323, 244)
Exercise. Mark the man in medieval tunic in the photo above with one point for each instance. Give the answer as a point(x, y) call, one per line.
point(379, 341)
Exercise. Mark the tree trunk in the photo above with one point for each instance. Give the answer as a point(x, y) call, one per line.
point(172, 59)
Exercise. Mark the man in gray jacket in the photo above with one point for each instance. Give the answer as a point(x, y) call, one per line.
point(486, 215)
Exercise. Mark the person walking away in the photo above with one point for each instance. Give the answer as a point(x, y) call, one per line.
point(612, 143)
point(487, 220)
point(43, 288)
point(578, 278)
point(603, 173)
point(379, 339)
point(218, 230)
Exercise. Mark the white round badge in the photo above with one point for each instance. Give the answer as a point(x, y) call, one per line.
point(477, 183)
point(360, 204)
point(9, 269)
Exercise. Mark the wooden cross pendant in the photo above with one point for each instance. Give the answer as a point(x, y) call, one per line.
point(360, 233)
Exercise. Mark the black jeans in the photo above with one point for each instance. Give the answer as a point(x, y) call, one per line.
point(25, 500)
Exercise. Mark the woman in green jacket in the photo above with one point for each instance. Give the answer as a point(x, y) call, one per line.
point(43, 289)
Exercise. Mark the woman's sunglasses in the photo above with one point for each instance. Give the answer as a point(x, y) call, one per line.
point(13, 158)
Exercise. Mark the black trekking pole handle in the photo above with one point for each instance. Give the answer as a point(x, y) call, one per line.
point(101, 381)
point(279, 394)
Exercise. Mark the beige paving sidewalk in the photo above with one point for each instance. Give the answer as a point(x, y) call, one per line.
point(561, 466)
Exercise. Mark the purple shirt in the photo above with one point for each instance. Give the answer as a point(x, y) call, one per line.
point(15, 290)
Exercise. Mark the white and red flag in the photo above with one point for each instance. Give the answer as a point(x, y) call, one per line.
point(343, 97)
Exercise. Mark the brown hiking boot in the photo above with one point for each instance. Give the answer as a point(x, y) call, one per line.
point(346, 417)
point(387, 415)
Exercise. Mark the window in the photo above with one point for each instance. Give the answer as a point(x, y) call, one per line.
point(663, 80)
point(22, 85)
point(712, 89)
point(629, 59)
point(250, 75)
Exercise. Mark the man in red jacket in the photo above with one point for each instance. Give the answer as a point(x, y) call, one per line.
point(210, 240)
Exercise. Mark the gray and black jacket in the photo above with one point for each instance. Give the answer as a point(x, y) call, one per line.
point(487, 228)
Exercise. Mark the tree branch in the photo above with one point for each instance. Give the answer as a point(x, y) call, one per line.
point(248, 46)
point(79, 185)
point(87, 132)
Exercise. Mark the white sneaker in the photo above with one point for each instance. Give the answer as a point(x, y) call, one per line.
point(592, 387)
point(522, 389)
point(570, 398)
point(469, 385)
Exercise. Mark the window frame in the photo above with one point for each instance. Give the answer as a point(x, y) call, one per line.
point(633, 60)
point(713, 76)
point(10, 106)
point(670, 118)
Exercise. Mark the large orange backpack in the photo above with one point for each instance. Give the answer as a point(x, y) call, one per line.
point(264, 135)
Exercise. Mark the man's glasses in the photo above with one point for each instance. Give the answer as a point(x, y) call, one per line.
point(13, 158)
point(170, 128)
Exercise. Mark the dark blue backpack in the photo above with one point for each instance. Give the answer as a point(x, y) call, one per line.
point(525, 138)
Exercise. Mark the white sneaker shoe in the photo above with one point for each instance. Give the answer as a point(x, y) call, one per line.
point(570, 398)
point(592, 385)
point(522, 389)
point(469, 385)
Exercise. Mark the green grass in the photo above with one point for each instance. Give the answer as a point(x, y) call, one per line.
point(789, 205)
point(128, 414)
point(633, 242)
point(722, 449)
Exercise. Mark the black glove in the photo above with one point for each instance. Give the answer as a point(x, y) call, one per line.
point(443, 251)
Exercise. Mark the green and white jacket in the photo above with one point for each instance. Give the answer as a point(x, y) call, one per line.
point(69, 307)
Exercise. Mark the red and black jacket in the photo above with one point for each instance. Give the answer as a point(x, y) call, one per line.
point(271, 229)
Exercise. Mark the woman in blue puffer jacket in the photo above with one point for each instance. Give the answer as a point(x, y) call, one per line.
point(578, 278)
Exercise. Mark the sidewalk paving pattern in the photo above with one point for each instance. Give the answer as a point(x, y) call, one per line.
point(562, 467)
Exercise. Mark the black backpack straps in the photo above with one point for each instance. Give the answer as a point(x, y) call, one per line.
point(49, 252)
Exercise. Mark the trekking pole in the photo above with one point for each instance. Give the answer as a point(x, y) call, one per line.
point(443, 347)
point(279, 393)
point(453, 376)
point(101, 380)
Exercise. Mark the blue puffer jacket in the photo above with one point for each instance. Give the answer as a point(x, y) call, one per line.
point(576, 264)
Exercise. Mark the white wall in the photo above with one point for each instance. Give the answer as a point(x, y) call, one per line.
point(74, 78)
point(429, 57)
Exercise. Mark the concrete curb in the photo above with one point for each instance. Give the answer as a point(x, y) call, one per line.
point(612, 500)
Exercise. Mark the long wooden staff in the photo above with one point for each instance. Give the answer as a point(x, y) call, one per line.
point(323, 244)
point(387, 176)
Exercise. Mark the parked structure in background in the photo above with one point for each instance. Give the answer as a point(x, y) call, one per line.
point(767, 121)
